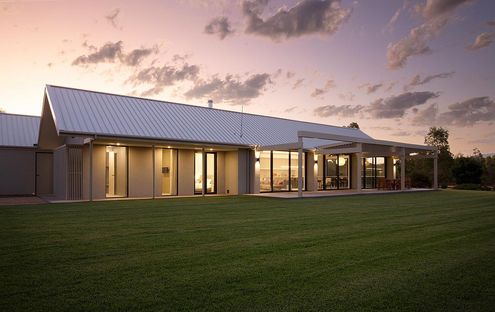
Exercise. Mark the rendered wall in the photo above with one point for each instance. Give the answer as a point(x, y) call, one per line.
point(186, 172)
point(140, 172)
point(311, 172)
point(231, 173)
point(98, 171)
point(60, 172)
point(17, 175)
point(248, 178)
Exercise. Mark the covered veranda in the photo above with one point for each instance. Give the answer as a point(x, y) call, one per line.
point(332, 144)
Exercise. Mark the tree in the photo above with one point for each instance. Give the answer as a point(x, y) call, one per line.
point(2, 110)
point(353, 125)
point(467, 170)
point(488, 177)
point(439, 138)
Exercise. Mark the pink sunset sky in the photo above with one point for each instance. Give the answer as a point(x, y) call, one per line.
point(394, 67)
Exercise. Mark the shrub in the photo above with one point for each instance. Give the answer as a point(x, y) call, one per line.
point(468, 186)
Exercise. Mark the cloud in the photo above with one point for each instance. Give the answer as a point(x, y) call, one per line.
point(373, 88)
point(318, 92)
point(112, 18)
point(290, 110)
point(417, 80)
point(112, 52)
point(290, 75)
point(340, 111)
point(491, 23)
point(161, 77)
point(482, 41)
point(469, 112)
point(307, 17)
point(349, 96)
point(219, 26)
point(108, 53)
point(425, 117)
point(436, 14)
point(393, 20)
point(434, 8)
point(416, 43)
point(396, 106)
point(230, 89)
point(137, 55)
point(298, 83)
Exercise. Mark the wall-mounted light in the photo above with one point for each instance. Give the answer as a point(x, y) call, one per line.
point(257, 160)
point(257, 156)
point(316, 161)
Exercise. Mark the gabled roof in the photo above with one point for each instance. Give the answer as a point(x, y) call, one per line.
point(94, 113)
point(19, 130)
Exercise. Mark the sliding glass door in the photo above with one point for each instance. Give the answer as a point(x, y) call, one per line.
point(373, 171)
point(334, 174)
point(116, 171)
point(205, 173)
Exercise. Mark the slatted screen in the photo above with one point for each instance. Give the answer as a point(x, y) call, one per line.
point(74, 172)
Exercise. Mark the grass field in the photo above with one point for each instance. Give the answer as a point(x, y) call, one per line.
point(430, 251)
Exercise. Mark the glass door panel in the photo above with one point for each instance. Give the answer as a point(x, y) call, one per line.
point(211, 173)
point(198, 172)
point(265, 171)
point(116, 171)
point(169, 172)
point(280, 171)
point(331, 181)
point(344, 173)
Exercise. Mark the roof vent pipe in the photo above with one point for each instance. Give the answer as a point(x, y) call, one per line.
point(210, 103)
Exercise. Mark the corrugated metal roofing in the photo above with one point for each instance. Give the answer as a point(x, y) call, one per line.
point(89, 112)
point(19, 130)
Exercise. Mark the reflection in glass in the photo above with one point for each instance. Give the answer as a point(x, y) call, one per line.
point(344, 172)
point(210, 173)
point(294, 156)
point(116, 171)
point(280, 171)
point(331, 178)
point(265, 168)
point(198, 172)
point(169, 172)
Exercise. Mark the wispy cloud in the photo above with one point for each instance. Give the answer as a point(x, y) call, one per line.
point(469, 112)
point(112, 52)
point(219, 26)
point(483, 40)
point(307, 17)
point(436, 14)
point(417, 80)
point(112, 18)
point(231, 90)
point(338, 111)
point(319, 92)
point(396, 106)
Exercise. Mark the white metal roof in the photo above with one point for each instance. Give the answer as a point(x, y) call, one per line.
point(19, 130)
point(95, 113)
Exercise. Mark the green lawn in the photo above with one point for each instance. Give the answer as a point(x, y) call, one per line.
point(417, 251)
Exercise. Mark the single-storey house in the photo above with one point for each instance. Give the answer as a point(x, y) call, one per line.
point(100, 146)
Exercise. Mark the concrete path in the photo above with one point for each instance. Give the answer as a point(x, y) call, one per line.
point(21, 200)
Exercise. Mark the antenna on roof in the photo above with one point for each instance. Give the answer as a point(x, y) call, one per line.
point(242, 117)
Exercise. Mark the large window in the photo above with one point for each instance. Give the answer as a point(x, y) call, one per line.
point(205, 173)
point(373, 170)
point(294, 159)
point(169, 172)
point(279, 171)
point(116, 171)
point(265, 171)
point(333, 172)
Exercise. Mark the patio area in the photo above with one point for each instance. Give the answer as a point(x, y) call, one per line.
point(350, 192)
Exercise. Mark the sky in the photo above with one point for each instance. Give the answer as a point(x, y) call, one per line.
point(394, 67)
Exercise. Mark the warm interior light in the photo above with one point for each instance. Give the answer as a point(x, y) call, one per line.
point(118, 144)
point(168, 146)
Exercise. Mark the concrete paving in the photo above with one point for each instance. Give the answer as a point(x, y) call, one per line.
point(21, 200)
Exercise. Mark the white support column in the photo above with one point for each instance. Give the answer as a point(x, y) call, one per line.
point(153, 166)
point(403, 169)
point(435, 171)
point(203, 171)
point(299, 168)
point(359, 170)
point(91, 170)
